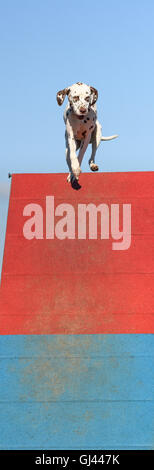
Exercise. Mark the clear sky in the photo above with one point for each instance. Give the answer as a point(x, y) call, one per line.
point(47, 45)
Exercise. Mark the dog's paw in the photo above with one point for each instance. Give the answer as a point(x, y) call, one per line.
point(94, 167)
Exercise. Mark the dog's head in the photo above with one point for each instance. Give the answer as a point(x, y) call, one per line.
point(80, 96)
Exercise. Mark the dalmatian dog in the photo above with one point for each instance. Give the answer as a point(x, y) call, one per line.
point(82, 126)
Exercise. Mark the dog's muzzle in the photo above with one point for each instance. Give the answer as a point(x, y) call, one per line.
point(83, 110)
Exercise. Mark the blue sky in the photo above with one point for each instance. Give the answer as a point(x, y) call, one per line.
point(45, 46)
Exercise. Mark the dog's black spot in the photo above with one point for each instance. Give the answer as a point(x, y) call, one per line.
point(85, 121)
point(84, 133)
point(91, 127)
point(88, 119)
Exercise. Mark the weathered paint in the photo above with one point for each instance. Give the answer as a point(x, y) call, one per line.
point(77, 391)
point(76, 348)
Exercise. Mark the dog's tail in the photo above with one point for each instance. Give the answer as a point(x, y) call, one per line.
point(111, 137)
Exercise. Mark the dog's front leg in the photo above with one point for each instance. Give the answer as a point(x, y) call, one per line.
point(71, 156)
point(83, 147)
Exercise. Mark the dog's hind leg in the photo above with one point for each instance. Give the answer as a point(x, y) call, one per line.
point(95, 141)
point(92, 163)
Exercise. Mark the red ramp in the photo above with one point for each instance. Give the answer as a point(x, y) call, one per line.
point(79, 286)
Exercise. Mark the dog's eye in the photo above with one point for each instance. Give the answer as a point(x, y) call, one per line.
point(76, 98)
point(87, 98)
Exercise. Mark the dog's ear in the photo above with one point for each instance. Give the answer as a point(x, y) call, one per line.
point(61, 95)
point(94, 95)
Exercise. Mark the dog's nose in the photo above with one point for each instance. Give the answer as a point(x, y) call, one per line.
point(82, 109)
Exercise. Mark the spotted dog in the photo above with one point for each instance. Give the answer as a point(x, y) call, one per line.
point(82, 126)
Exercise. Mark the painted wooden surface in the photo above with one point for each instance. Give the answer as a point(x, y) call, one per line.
point(79, 286)
point(77, 324)
point(77, 391)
